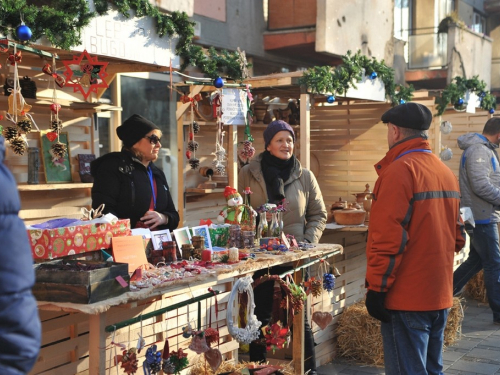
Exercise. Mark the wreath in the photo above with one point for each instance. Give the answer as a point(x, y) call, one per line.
point(251, 331)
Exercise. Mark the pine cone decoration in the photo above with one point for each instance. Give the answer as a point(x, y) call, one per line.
point(155, 367)
point(59, 149)
point(194, 163)
point(25, 125)
point(10, 133)
point(196, 127)
point(192, 145)
point(130, 364)
point(56, 126)
point(18, 145)
point(316, 288)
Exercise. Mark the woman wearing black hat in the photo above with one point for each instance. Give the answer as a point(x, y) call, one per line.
point(129, 184)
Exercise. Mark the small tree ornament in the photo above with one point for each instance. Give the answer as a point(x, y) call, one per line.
point(153, 361)
point(445, 154)
point(445, 127)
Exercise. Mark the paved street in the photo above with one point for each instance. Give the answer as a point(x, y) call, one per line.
point(477, 352)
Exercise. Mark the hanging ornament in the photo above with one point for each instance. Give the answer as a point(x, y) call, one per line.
point(59, 149)
point(194, 163)
point(18, 145)
point(129, 361)
point(152, 362)
point(198, 343)
point(445, 154)
point(51, 136)
point(188, 154)
point(23, 32)
point(445, 127)
point(460, 102)
point(56, 126)
point(10, 133)
point(328, 282)
point(179, 360)
point(213, 358)
point(402, 101)
point(322, 319)
point(93, 74)
point(218, 82)
point(14, 58)
point(491, 111)
point(192, 145)
point(373, 75)
point(330, 99)
point(55, 108)
point(25, 125)
point(196, 127)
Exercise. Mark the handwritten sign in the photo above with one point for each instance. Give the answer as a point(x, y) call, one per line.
point(234, 106)
point(129, 249)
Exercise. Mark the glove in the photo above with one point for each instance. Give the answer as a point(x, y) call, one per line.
point(375, 305)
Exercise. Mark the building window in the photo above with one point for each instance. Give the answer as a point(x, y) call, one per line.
point(478, 23)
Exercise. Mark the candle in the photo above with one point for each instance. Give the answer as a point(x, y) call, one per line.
point(206, 255)
point(233, 254)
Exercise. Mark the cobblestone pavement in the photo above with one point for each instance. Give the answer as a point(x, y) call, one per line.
point(476, 353)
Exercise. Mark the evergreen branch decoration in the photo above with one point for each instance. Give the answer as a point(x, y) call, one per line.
point(455, 94)
point(329, 80)
point(62, 23)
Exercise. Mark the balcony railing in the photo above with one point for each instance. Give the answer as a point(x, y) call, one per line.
point(427, 51)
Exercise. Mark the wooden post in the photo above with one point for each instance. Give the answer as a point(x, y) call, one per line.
point(305, 130)
point(298, 332)
point(97, 341)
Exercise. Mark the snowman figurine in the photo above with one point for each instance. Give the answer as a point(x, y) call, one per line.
point(231, 214)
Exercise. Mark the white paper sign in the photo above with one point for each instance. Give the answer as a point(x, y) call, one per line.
point(234, 106)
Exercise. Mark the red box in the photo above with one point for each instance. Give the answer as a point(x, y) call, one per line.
point(59, 242)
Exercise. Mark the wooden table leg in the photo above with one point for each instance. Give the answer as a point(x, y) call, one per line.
point(298, 334)
point(97, 341)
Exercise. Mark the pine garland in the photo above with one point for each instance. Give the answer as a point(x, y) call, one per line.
point(337, 80)
point(455, 92)
point(62, 23)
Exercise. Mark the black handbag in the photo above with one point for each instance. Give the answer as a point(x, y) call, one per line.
point(28, 87)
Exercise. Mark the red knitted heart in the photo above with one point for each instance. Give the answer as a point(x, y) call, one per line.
point(51, 136)
point(322, 319)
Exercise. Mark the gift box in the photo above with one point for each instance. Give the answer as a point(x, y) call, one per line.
point(79, 281)
point(82, 238)
point(219, 235)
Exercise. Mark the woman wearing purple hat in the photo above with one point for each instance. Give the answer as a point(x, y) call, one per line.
point(276, 176)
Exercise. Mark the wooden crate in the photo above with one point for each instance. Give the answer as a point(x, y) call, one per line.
point(79, 286)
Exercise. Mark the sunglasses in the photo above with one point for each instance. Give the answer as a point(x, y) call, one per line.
point(153, 139)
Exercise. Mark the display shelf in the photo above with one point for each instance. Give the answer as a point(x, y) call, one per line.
point(38, 187)
point(193, 191)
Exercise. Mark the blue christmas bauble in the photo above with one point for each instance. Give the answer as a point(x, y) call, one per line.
point(23, 32)
point(491, 111)
point(330, 99)
point(482, 94)
point(218, 82)
point(460, 101)
point(373, 75)
point(402, 101)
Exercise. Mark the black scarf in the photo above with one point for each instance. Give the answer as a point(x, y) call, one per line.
point(276, 172)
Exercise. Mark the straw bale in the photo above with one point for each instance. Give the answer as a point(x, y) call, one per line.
point(359, 338)
point(475, 288)
point(201, 367)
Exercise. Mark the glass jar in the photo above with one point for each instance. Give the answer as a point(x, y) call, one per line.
point(262, 228)
point(274, 228)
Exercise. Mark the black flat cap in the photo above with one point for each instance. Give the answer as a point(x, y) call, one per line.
point(409, 115)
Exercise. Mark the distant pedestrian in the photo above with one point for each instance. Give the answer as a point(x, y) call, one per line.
point(415, 229)
point(480, 187)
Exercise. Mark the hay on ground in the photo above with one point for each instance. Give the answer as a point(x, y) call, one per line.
point(359, 337)
point(475, 288)
point(201, 367)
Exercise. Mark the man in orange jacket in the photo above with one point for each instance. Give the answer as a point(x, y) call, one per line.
point(415, 229)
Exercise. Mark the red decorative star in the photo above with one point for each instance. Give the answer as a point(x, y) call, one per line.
point(83, 61)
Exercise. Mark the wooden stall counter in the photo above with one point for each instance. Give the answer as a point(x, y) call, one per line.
point(76, 338)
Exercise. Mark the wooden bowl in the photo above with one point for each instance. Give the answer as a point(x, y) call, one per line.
point(349, 216)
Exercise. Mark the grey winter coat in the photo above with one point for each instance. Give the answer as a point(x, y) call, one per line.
point(305, 217)
point(479, 176)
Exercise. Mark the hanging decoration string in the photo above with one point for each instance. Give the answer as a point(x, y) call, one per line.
point(192, 145)
point(220, 152)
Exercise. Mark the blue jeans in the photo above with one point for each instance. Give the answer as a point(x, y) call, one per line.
point(484, 254)
point(413, 342)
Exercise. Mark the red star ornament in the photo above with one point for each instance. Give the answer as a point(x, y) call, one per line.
point(87, 83)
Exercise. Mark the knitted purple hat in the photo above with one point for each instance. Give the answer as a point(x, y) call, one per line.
point(275, 127)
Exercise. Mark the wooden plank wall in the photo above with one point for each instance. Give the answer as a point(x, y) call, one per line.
point(346, 141)
point(65, 340)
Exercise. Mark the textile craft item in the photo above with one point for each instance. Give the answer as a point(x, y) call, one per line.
point(251, 331)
